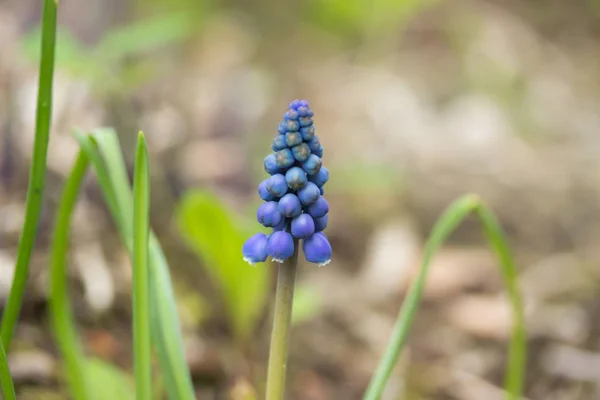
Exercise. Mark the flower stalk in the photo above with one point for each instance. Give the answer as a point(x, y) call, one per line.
point(282, 321)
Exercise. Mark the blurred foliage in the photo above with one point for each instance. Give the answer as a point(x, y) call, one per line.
point(365, 17)
point(307, 304)
point(211, 230)
point(116, 62)
point(107, 381)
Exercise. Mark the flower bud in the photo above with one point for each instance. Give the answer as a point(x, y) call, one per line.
point(319, 208)
point(291, 114)
point(283, 225)
point(296, 178)
point(303, 226)
point(303, 111)
point(280, 246)
point(268, 215)
point(284, 158)
point(293, 139)
point(314, 144)
point(319, 152)
point(317, 249)
point(264, 193)
point(291, 125)
point(278, 143)
point(301, 152)
point(304, 121)
point(277, 185)
point(321, 223)
point(281, 128)
point(312, 165)
point(271, 164)
point(307, 132)
point(308, 194)
point(320, 178)
point(289, 206)
point(255, 249)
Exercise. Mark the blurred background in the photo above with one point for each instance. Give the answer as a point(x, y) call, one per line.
point(416, 102)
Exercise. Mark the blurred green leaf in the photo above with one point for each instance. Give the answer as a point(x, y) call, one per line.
point(213, 232)
point(144, 35)
point(307, 304)
point(107, 381)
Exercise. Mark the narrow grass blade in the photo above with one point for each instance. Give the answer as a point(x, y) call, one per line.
point(105, 154)
point(444, 226)
point(37, 174)
point(6, 382)
point(141, 303)
point(63, 325)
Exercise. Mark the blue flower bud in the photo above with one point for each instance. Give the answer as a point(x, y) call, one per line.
point(296, 178)
point(320, 178)
point(291, 114)
point(302, 111)
point(283, 225)
point(268, 215)
point(304, 121)
point(322, 191)
point(319, 151)
point(303, 226)
point(295, 104)
point(317, 249)
point(319, 208)
point(291, 125)
point(281, 128)
point(289, 206)
point(271, 164)
point(280, 246)
point(293, 139)
point(321, 223)
point(308, 132)
point(279, 143)
point(312, 165)
point(308, 194)
point(264, 193)
point(255, 249)
point(277, 185)
point(314, 144)
point(301, 152)
point(284, 158)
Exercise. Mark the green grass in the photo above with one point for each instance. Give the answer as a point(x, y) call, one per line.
point(5, 379)
point(141, 295)
point(61, 318)
point(37, 174)
point(494, 234)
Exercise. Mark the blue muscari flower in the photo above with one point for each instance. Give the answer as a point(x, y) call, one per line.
point(307, 132)
point(264, 193)
point(319, 208)
point(255, 248)
point(289, 206)
point(280, 246)
point(321, 223)
point(312, 165)
point(277, 185)
point(319, 151)
point(294, 207)
point(293, 139)
point(303, 226)
point(314, 143)
point(283, 159)
point(301, 152)
point(317, 249)
point(320, 178)
point(271, 164)
point(268, 214)
point(279, 143)
point(309, 194)
point(295, 178)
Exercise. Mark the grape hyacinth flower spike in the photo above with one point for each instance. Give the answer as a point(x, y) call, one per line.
point(294, 204)
point(295, 209)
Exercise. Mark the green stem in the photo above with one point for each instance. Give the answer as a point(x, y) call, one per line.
point(62, 320)
point(141, 295)
point(37, 176)
point(5, 379)
point(282, 321)
point(443, 227)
